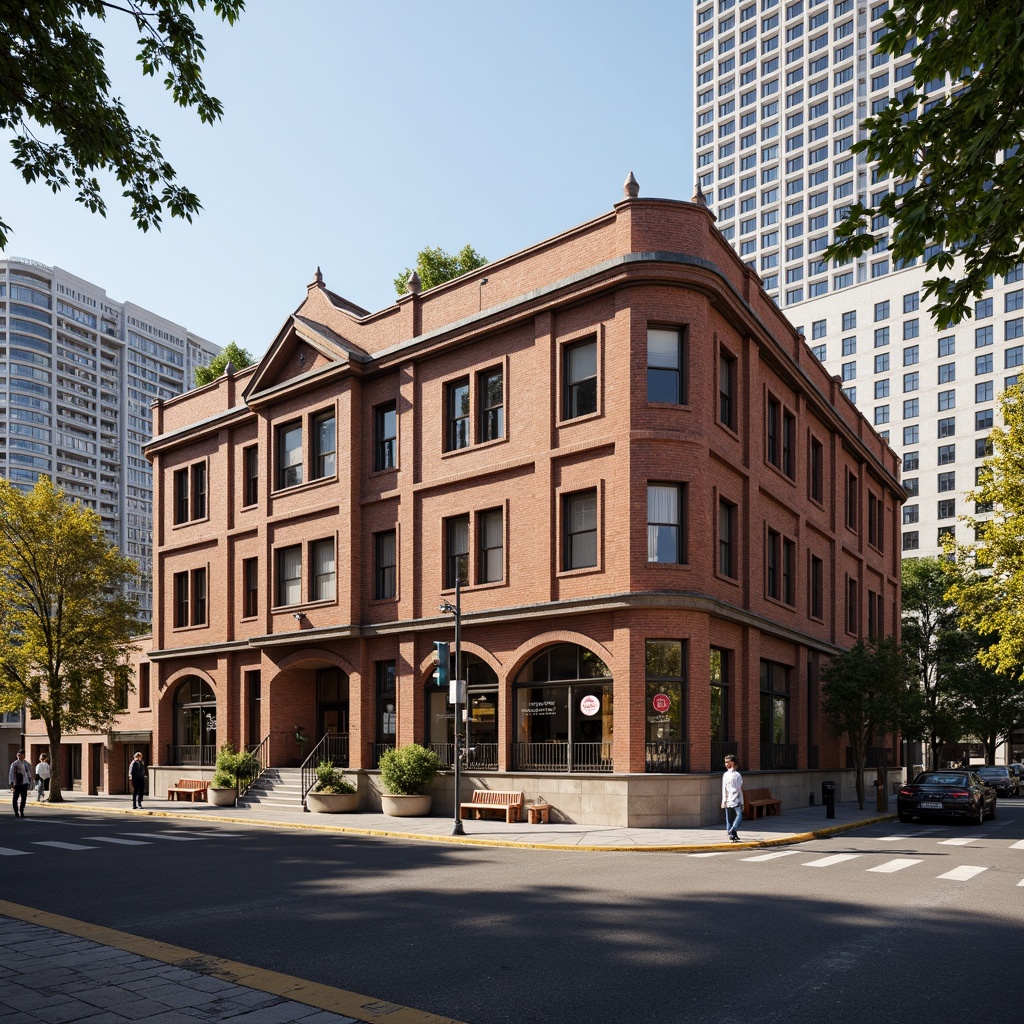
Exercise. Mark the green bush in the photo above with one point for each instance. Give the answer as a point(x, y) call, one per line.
point(230, 764)
point(408, 770)
point(330, 780)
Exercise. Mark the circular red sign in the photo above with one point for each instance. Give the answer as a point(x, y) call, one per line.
point(661, 703)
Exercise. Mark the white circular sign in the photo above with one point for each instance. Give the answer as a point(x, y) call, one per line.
point(590, 705)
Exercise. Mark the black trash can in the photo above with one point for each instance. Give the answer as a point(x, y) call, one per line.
point(828, 798)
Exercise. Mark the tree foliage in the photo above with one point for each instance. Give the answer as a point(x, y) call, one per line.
point(56, 105)
point(870, 692)
point(66, 617)
point(239, 358)
point(990, 705)
point(965, 201)
point(435, 266)
point(986, 577)
point(933, 639)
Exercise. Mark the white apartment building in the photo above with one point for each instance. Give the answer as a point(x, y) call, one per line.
point(781, 90)
point(78, 371)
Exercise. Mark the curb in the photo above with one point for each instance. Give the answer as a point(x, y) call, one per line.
point(790, 840)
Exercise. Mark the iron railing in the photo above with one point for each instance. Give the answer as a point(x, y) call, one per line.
point(719, 748)
point(670, 756)
point(482, 756)
point(777, 755)
point(559, 756)
point(877, 757)
point(334, 748)
point(192, 755)
point(255, 766)
point(376, 750)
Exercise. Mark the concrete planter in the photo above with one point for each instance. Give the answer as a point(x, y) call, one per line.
point(221, 797)
point(417, 806)
point(332, 803)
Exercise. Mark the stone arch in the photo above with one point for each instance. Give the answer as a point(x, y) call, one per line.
point(425, 669)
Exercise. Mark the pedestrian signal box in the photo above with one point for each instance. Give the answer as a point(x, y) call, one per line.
point(443, 662)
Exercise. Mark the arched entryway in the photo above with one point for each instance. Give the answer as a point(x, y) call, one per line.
point(482, 725)
point(332, 714)
point(564, 714)
point(195, 724)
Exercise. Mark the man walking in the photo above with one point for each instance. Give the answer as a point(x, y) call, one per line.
point(42, 777)
point(20, 777)
point(137, 777)
point(732, 798)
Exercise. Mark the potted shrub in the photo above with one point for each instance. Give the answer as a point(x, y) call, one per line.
point(406, 773)
point(223, 788)
point(332, 793)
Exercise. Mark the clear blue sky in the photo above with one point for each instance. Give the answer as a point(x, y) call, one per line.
point(355, 134)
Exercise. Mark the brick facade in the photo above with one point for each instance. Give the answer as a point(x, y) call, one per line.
point(645, 265)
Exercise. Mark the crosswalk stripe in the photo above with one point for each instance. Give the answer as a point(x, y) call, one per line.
point(827, 862)
point(63, 846)
point(6, 852)
point(1020, 883)
point(960, 842)
point(963, 873)
point(165, 835)
point(896, 839)
point(212, 834)
point(120, 842)
point(1018, 846)
point(711, 853)
point(894, 865)
point(770, 856)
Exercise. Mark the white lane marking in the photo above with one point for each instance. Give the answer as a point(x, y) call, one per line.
point(114, 839)
point(1018, 846)
point(770, 856)
point(1020, 883)
point(212, 834)
point(712, 853)
point(7, 852)
point(960, 842)
point(896, 839)
point(894, 865)
point(827, 862)
point(63, 846)
point(165, 835)
point(963, 873)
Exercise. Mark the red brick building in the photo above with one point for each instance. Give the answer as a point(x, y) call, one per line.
point(663, 513)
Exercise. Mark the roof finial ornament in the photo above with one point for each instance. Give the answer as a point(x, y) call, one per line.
point(698, 195)
point(631, 188)
point(413, 283)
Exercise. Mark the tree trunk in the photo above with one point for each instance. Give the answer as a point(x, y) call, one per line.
point(53, 734)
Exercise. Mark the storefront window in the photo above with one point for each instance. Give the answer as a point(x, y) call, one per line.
point(195, 724)
point(667, 747)
point(482, 683)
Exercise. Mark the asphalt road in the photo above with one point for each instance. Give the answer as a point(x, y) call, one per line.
point(861, 927)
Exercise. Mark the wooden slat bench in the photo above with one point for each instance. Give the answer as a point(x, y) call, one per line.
point(510, 804)
point(761, 801)
point(195, 788)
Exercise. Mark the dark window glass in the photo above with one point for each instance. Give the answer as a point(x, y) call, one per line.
point(456, 550)
point(251, 583)
point(580, 371)
point(666, 516)
point(199, 490)
point(580, 530)
point(458, 414)
point(664, 366)
point(385, 437)
point(492, 405)
point(181, 505)
point(385, 562)
point(198, 597)
point(289, 455)
point(492, 553)
point(252, 474)
point(324, 446)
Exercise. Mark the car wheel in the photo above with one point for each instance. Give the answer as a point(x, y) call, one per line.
point(905, 817)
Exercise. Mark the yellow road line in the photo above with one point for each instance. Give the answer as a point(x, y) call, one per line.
point(323, 997)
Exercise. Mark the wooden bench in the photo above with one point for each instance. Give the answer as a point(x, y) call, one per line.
point(510, 804)
point(195, 788)
point(760, 800)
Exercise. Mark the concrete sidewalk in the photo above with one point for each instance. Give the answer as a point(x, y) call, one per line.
point(792, 826)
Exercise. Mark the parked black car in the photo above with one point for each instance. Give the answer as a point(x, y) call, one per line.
point(950, 794)
point(1000, 778)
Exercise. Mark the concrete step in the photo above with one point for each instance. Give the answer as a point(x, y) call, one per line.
point(276, 787)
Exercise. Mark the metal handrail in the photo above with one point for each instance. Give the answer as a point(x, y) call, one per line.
point(256, 766)
point(332, 747)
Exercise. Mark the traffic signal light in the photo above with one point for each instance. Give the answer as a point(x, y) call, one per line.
point(443, 661)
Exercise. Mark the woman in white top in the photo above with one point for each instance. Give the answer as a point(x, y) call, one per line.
point(42, 777)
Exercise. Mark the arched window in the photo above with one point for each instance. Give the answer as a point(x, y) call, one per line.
point(195, 724)
point(563, 702)
point(482, 687)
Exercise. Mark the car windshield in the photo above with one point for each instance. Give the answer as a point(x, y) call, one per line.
point(941, 779)
point(991, 773)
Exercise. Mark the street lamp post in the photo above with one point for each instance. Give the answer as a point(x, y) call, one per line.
point(456, 610)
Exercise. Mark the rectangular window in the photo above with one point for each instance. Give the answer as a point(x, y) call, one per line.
point(852, 610)
point(947, 482)
point(789, 572)
point(250, 587)
point(911, 355)
point(181, 503)
point(727, 525)
point(817, 470)
point(198, 597)
point(984, 392)
point(727, 389)
point(322, 581)
point(181, 596)
point(456, 542)
point(789, 444)
point(773, 432)
point(666, 523)
point(947, 427)
point(199, 490)
point(665, 370)
point(947, 508)
point(911, 540)
point(876, 521)
point(492, 404)
point(289, 455)
point(579, 532)
point(816, 603)
point(773, 564)
point(144, 685)
point(385, 437)
point(251, 469)
point(947, 455)
point(489, 526)
point(289, 575)
point(947, 373)
point(324, 446)
point(851, 501)
point(385, 560)
point(457, 414)
point(580, 370)
point(947, 346)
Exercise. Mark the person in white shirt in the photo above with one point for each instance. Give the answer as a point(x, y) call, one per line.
point(42, 777)
point(20, 777)
point(732, 798)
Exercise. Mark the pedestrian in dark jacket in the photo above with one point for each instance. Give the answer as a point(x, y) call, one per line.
point(137, 777)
